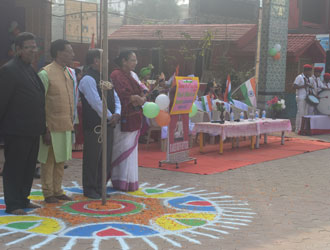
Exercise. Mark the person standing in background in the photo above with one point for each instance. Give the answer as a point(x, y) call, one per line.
point(22, 121)
point(56, 144)
point(326, 83)
point(303, 87)
point(318, 86)
point(91, 94)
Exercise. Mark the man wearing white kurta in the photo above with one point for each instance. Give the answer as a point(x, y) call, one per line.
point(302, 86)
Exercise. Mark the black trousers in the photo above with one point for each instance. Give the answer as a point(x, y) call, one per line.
point(21, 154)
point(92, 161)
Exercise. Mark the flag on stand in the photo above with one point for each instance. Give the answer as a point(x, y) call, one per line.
point(207, 103)
point(172, 79)
point(249, 92)
point(92, 45)
point(227, 97)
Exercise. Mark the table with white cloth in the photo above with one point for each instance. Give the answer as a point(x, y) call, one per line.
point(246, 128)
point(315, 125)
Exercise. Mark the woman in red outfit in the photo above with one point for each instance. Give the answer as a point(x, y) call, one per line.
point(124, 175)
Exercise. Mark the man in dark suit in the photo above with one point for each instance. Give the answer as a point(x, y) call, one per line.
point(22, 121)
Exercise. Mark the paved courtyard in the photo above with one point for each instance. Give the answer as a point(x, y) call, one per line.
point(282, 204)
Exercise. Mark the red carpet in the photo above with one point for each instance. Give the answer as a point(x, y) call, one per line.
point(211, 162)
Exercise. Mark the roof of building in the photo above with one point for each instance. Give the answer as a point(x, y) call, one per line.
point(297, 45)
point(244, 35)
point(221, 32)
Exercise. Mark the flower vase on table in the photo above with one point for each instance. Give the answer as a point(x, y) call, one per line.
point(222, 117)
point(275, 114)
point(276, 106)
point(220, 108)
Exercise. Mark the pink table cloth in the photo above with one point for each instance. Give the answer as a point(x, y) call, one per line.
point(243, 128)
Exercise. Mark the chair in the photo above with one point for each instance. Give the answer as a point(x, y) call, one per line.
point(153, 127)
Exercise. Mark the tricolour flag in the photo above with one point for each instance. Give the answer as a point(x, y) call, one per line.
point(227, 97)
point(176, 73)
point(207, 103)
point(249, 92)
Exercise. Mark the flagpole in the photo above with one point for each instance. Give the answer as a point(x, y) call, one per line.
point(105, 78)
point(237, 89)
point(258, 51)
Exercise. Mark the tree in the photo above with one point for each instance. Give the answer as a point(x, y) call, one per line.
point(145, 11)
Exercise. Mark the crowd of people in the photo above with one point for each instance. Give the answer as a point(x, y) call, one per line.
point(38, 112)
point(308, 85)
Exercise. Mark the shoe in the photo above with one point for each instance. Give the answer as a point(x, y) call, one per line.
point(51, 199)
point(64, 197)
point(32, 205)
point(93, 196)
point(18, 212)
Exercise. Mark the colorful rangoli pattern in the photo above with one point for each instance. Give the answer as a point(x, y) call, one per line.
point(144, 214)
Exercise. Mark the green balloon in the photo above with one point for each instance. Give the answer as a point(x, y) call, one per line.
point(193, 111)
point(272, 52)
point(150, 110)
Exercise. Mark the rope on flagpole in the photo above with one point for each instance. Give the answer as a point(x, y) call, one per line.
point(104, 85)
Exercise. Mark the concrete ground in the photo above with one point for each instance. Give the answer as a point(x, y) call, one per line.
point(288, 200)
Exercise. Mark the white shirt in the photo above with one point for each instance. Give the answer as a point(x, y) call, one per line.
point(300, 81)
point(87, 87)
point(317, 83)
point(326, 85)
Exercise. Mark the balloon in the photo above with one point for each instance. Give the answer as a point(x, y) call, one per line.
point(277, 56)
point(150, 110)
point(163, 101)
point(163, 118)
point(277, 47)
point(193, 111)
point(272, 52)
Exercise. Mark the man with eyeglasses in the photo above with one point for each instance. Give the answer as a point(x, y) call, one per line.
point(22, 120)
point(56, 144)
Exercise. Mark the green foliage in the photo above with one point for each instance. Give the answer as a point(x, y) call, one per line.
point(237, 76)
point(153, 9)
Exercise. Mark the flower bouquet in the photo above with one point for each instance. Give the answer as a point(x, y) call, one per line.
point(218, 111)
point(276, 106)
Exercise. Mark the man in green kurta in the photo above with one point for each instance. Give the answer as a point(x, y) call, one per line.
point(56, 144)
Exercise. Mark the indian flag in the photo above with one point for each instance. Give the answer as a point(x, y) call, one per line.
point(227, 96)
point(249, 92)
point(207, 103)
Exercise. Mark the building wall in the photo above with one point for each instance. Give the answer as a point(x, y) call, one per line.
point(309, 17)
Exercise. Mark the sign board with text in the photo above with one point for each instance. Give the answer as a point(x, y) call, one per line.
point(185, 95)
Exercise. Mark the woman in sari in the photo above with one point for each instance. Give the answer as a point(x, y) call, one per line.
point(124, 174)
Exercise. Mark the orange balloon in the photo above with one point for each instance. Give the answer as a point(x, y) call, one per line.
point(163, 118)
point(277, 56)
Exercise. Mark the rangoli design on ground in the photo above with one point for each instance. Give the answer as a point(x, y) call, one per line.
point(151, 212)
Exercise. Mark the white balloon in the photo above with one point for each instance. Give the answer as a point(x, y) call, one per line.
point(277, 47)
point(163, 101)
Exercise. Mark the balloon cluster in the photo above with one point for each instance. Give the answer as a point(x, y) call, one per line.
point(275, 52)
point(158, 110)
